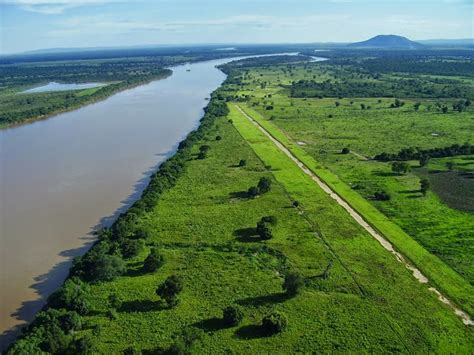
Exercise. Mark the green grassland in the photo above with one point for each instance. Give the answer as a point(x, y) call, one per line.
point(323, 129)
point(204, 227)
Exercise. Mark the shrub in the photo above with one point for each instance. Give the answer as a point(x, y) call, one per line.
point(295, 204)
point(218, 138)
point(274, 323)
point(242, 162)
point(232, 315)
point(170, 289)
point(264, 185)
point(293, 283)
point(345, 150)
point(153, 261)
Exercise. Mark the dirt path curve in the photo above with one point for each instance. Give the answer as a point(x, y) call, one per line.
point(360, 220)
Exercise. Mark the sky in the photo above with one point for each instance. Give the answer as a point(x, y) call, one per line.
point(38, 24)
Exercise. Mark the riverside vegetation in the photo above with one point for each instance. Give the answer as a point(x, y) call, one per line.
point(232, 248)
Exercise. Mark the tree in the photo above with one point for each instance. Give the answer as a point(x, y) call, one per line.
point(232, 315)
point(450, 165)
point(218, 138)
point(170, 289)
point(345, 150)
point(114, 301)
point(73, 295)
point(131, 248)
point(264, 185)
point(424, 160)
point(253, 191)
point(444, 109)
point(416, 106)
point(264, 230)
point(295, 204)
point(242, 163)
point(274, 322)
point(382, 196)
point(424, 186)
point(400, 167)
point(362, 106)
point(293, 283)
point(153, 261)
point(112, 314)
point(337, 103)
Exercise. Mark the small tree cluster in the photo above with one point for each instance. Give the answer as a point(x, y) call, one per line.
point(264, 185)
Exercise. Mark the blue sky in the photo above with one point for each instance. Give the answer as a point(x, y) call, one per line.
point(37, 24)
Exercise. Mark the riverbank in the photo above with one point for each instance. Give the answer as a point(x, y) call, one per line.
point(97, 95)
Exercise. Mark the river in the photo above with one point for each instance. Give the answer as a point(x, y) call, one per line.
point(60, 176)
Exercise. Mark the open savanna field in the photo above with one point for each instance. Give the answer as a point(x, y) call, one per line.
point(322, 126)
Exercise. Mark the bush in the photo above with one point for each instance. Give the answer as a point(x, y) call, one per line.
point(424, 186)
point(400, 167)
point(170, 289)
point(232, 315)
point(293, 283)
point(264, 185)
point(242, 163)
point(274, 323)
point(218, 138)
point(295, 204)
point(345, 150)
point(153, 261)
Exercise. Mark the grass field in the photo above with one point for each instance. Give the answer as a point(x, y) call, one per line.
point(440, 221)
point(204, 228)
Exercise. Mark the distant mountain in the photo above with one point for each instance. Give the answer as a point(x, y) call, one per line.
point(388, 42)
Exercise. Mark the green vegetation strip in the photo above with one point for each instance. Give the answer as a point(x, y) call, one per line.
point(447, 280)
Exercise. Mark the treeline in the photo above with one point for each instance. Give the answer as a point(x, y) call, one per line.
point(419, 154)
point(446, 66)
point(416, 88)
point(21, 107)
point(53, 329)
point(77, 72)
